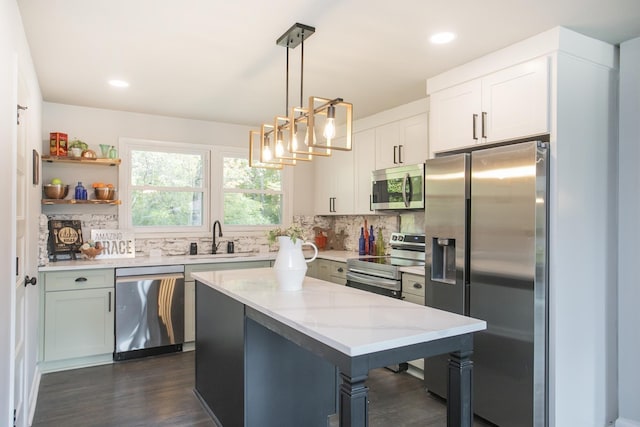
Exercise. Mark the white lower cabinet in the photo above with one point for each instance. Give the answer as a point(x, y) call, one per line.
point(413, 291)
point(190, 289)
point(189, 311)
point(78, 314)
point(329, 271)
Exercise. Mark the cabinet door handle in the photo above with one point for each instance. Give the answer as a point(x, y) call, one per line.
point(81, 279)
point(400, 154)
point(30, 281)
point(395, 154)
point(484, 124)
point(417, 285)
point(475, 134)
point(340, 269)
point(334, 204)
point(109, 301)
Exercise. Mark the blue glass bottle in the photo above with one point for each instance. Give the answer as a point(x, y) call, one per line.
point(78, 191)
point(361, 250)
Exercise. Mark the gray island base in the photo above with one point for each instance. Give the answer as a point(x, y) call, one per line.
point(266, 357)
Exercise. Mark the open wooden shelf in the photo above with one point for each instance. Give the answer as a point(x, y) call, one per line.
point(79, 202)
point(65, 159)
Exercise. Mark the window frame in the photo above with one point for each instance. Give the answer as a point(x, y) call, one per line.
point(213, 196)
point(126, 146)
point(217, 192)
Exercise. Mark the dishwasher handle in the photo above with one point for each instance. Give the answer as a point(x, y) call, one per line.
point(133, 279)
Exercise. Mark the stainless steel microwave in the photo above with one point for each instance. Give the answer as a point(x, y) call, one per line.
point(396, 188)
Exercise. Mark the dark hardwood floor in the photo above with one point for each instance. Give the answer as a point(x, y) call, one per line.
point(158, 391)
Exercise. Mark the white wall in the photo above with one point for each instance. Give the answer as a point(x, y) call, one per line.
point(97, 126)
point(15, 60)
point(629, 236)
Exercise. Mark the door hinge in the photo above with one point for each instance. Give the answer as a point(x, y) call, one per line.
point(15, 412)
point(20, 107)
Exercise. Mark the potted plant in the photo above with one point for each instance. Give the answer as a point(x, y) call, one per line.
point(294, 232)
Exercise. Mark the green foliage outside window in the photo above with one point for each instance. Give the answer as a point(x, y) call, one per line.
point(252, 196)
point(166, 189)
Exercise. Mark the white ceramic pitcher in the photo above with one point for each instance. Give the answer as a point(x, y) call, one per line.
point(290, 265)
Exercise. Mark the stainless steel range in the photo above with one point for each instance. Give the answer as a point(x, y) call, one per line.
point(381, 275)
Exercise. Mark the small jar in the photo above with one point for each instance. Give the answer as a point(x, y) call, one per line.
point(113, 153)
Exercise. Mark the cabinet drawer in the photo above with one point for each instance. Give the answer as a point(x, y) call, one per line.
point(78, 279)
point(413, 284)
point(339, 270)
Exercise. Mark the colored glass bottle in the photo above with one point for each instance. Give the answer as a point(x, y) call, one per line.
point(79, 191)
point(372, 239)
point(361, 250)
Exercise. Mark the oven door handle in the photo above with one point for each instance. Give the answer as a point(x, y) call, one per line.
point(372, 280)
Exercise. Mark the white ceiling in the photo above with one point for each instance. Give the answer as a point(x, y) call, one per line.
point(218, 60)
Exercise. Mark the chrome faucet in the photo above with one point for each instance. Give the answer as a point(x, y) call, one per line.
point(214, 246)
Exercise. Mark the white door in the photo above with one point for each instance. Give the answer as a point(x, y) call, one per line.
point(21, 255)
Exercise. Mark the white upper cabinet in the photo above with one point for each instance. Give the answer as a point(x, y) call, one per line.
point(334, 183)
point(454, 116)
point(365, 162)
point(511, 103)
point(515, 101)
point(402, 142)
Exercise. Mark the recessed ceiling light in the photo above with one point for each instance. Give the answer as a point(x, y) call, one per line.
point(441, 38)
point(118, 83)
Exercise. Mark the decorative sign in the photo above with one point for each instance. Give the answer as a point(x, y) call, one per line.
point(65, 237)
point(115, 243)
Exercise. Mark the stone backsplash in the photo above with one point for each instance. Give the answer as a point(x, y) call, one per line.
point(343, 233)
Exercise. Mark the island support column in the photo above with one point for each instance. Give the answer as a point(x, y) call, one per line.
point(459, 393)
point(354, 401)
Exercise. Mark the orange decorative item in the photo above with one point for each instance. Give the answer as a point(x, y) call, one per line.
point(91, 251)
point(321, 241)
point(58, 144)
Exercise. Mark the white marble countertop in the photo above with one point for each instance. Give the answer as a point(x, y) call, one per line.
point(82, 264)
point(352, 321)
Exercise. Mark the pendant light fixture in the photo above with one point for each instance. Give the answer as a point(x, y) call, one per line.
point(292, 137)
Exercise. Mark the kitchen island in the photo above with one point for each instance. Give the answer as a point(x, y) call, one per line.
point(267, 357)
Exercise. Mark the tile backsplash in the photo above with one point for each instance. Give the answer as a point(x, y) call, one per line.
point(343, 232)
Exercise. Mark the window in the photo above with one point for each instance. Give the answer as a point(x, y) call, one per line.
point(181, 189)
point(166, 186)
point(251, 196)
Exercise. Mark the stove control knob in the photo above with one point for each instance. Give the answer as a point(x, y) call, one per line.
point(401, 238)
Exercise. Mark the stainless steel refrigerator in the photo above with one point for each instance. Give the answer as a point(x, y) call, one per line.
point(486, 257)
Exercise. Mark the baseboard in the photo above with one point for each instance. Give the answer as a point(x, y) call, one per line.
point(625, 422)
point(80, 362)
point(33, 393)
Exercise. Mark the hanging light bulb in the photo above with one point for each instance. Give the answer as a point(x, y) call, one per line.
point(330, 125)
point(266, 152)
point(294, 138)
point(313, 136)
point(279, 146)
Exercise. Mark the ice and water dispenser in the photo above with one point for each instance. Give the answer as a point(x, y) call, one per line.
point(443, 261)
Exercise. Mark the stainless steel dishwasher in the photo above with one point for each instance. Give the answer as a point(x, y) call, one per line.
point(149, 311)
